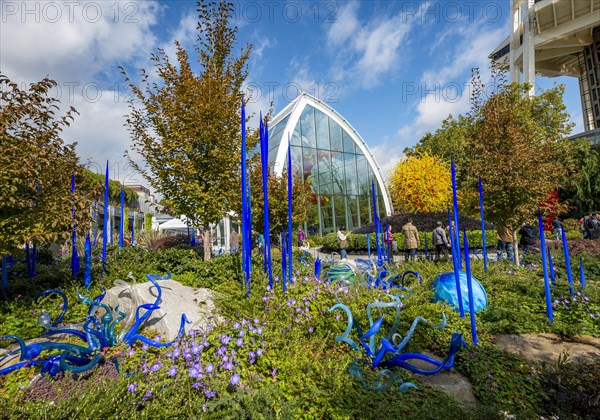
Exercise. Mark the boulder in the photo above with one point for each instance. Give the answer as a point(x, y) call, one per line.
point(197, 304)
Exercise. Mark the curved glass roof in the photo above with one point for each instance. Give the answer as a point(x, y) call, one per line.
point(330, 156)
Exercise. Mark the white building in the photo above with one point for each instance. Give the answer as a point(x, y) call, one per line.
point(556, 38)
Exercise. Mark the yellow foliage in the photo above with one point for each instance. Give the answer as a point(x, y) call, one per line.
point(421, 183)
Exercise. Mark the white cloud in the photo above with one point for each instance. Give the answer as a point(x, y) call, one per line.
point(345, 25)
point(80, 45)
point(365, 51)
point(445, 89)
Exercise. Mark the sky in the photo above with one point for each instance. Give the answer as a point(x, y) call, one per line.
point(393, 69)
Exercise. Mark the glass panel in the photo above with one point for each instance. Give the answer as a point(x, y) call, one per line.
point(324, 170)
point(335, 135)
point(307, 124)
point(273, 155)
point(313, 217)
point(348, 142)
point(275, 133)
point(365, 209)
point(327, 215)
point(337, 172)
point(339, 207)
point(296, 161)
point(352, 209)
point(296, 136)
point(363, 175)
point(309, 162)
point(322, 127)
point(350, 171)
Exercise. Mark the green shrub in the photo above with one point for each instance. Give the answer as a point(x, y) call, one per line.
point(358, 242)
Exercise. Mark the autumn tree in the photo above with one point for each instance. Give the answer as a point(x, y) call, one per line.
point(420, 182)
point(517, 145)
point(36, 168)
point(186, 125)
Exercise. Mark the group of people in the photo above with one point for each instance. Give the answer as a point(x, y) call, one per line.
point(412, 241)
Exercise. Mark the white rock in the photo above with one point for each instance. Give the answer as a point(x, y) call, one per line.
point(177, 299)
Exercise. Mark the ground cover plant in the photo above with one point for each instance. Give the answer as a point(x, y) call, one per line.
point(275, 356)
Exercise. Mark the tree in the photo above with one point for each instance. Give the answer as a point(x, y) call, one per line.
point(420, 182)
point(187, 126)
point(582, 190)
point(517, 146)
point(36, 168)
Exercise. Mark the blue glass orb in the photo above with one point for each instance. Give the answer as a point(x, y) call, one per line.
point(340, 273)
point(444, 287)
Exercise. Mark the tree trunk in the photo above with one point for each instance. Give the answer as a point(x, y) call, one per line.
point(207, 245)
point(516, 248)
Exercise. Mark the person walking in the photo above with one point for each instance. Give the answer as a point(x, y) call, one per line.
point(504, 234)
point(440, 241)
point(301, 238)
point(342, 242)
point(234, 241)
point(411, 239)
point(594, 226)
point(557, 228)
point(528, 235)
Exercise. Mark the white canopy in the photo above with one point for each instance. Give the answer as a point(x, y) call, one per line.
point(178, 224)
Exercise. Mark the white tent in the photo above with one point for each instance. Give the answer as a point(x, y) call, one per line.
point(176, 224)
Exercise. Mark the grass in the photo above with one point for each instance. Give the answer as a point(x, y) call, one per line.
point(301, 371)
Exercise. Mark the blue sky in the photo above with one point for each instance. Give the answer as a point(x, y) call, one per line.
point(393, 69)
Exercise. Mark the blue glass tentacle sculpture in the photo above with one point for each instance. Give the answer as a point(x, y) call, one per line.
point(391, 343)
point(97, 333)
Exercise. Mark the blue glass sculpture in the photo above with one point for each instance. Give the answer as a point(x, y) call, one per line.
point(96, 334)
point(391, 344)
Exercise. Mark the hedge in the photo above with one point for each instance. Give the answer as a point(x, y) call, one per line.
point(358, 242)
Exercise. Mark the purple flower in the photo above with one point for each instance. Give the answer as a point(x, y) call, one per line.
point(274, 373)
point(239, 342)
point(310, 329)
point(145, 347)
point(132, 387)
point(155, 367)
point(204, 407)
point(256, 321)
point(196, 349)
point(176, 353)
point(147, 395)
point(194, 372)
point(173, 371)
point(236, 325)
point(210, 368)
point(197, 385)
point(131, 352)
point(259, 351)
point(235, 379)
point(228, 366)
point(242, 332)
point(209, 394)
point(225, 339)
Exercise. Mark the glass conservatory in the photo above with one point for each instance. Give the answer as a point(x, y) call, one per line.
point(331, 157)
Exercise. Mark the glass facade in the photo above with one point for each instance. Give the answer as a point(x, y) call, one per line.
point(327, 158)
